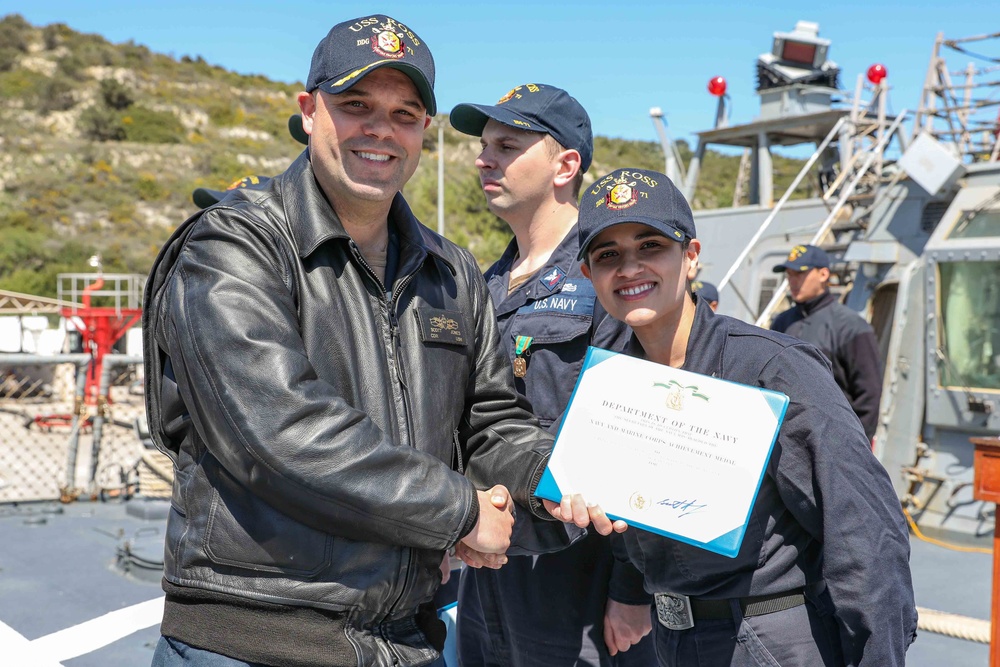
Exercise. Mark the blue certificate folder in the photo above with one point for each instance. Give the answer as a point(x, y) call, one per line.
point(728, 542)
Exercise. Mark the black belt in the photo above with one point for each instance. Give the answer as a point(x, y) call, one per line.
point(679, 612)
point(758, 605)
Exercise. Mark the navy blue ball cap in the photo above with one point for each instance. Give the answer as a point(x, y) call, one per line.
point(535, 107)
point(706, 291)
point(804, 258)
point(356, 48)
point(203, 197)
point(634, 195)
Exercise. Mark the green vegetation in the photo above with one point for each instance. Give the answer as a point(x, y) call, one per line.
point(152, 127)
point(101, 145)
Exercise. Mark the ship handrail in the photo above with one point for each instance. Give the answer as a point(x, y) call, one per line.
point(779, 292)
point(834, 131)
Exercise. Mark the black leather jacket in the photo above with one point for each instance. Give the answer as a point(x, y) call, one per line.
point(319, 429)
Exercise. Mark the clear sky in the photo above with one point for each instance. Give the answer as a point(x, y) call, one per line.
point(618, 58)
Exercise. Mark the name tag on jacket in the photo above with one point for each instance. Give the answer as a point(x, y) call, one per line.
point(442, 326)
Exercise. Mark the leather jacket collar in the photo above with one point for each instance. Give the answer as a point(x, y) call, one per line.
point(317, 222)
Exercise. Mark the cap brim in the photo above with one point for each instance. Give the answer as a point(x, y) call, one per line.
point(472, 119)
point(295, 129)
point(203, 197)
point(708, 295)
point(664, 228)
point(348, 79)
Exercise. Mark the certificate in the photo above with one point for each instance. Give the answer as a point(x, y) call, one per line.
point(667, 450)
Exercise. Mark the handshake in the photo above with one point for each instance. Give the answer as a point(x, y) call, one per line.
point(487, 544)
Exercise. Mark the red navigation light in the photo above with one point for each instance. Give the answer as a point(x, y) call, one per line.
point(876, 73)
point(717, 86)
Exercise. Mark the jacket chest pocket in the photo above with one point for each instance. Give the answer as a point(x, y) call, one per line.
point(549, 349)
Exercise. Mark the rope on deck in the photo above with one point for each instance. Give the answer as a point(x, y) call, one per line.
point(953, 625)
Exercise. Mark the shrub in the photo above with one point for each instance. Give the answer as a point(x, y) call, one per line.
point(22, 84)
point(14, 32)
point(95, 50)
point(121, 213)
point(116, 95)
point(71, 65)
point(57, 95)
point(223, 110)
point(8, 58)
point(52, 36)
point(136, 55)
point(149, 188)
point(101, 124)
point(152, 127)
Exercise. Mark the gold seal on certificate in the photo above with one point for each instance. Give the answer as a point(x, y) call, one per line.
point(667, 450)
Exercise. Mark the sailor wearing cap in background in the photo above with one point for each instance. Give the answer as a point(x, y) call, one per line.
point(322, 369)
point(846, 339)
point(577, 606)
point(205, 197)
point(706, 292)
point(822, 577)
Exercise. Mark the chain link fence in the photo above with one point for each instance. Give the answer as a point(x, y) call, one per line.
point(55, 446)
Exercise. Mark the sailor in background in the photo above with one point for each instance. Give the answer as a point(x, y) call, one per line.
point(706, 292)
point(846, 339)
point(578, 605)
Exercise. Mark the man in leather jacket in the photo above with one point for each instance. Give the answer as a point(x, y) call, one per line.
point(326, 374)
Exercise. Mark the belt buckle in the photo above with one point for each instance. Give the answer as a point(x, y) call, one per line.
point(674, 611)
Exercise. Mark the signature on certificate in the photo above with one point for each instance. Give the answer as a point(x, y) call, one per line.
point(686, 507)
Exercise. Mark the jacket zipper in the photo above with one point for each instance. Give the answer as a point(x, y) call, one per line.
point(403, 379)
point(390, 306)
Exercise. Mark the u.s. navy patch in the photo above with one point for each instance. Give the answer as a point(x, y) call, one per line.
point(575, 298)
point(442, 326)
point(552, 278)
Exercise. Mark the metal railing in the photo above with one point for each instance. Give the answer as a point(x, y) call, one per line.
point(53, 446)
point(831, 218)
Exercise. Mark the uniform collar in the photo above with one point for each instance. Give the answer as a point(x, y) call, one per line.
point(551, 277)
point(561, 265)
point(706, 345)
point(818, 303)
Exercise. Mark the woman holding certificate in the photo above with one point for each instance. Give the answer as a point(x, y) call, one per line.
point(821, 576)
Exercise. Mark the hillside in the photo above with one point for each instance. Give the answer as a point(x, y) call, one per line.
point(101, 145)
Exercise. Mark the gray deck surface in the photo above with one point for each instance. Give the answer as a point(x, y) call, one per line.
point(59, 573)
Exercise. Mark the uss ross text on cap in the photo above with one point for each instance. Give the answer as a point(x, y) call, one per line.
point(535, 107)
point(804, 258)
point(634, 195)
point(356, 48)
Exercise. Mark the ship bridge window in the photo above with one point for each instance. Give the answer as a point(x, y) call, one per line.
point(977, 224)
point(798, 52)
point(970, 324)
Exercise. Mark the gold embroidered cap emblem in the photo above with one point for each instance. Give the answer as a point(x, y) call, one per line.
point(387, 42)
point(509, 96)
point(796, 252)
point(622, 194)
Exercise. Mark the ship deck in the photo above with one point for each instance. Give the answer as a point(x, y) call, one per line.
point(63, 600)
